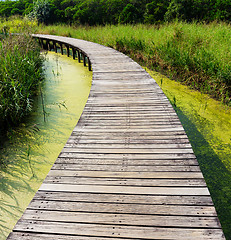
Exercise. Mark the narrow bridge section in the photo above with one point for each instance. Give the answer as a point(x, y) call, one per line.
point(128, 170)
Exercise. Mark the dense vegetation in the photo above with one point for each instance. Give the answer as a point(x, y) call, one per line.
point(197, 54)
point(95, 12)
point(20, 76)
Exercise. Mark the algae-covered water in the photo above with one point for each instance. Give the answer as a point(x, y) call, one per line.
point(208, 125)
point(34, 146)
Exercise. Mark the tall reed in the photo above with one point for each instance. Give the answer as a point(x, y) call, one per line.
point(20, 76)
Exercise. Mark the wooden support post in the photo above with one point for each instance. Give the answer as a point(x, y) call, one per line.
point(68, 50)
point(46, 45)
point(40, 42)
point(73, 53)
point(78, 53)
point(84, 60)
point(89, 64)
point(55, 47)
point(61, 47)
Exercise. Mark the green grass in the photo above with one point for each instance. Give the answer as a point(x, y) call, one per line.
point(198, 55)
point(20, 76)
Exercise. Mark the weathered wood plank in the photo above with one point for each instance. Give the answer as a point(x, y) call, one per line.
point(126, 189)
point(126, 156)
point(131, 145)
point(126, 168)
point(124, 174)
point(117, 231)
point(125, 198)
point(121, 219)
point(123, 208)
point(127, 162)
point(128, 150)
point(127, 182)
point(42, 236)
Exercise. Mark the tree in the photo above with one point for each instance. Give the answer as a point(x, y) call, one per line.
point(179, 9)
point(155, 11)
point(129, 14)
point(89, 12)
point(42, 11)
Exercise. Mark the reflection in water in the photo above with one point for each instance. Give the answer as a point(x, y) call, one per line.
point(34, 146)
point(208, 126)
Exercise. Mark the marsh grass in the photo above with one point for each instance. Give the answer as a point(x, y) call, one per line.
point(196, 54)
point(20, 77)
point(17, 24)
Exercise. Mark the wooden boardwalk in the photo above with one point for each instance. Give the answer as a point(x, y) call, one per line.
point(127, 171)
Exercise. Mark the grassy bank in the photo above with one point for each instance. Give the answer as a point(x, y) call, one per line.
point(198, 55)
point(20, 77)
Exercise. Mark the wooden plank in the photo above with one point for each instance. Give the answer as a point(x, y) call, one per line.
point(124, 174)
point(127, 182)
point(128, 130)
point(126, 156)
point(127, 162)
point(126, 168)
point(117, 231)
point(130, 146)
point(127, 150)
point(192, 191)
point(134, 134)
point(124, 198)
point(121, 219)
point(42, 236)
point(92, 140)
point(123, 208)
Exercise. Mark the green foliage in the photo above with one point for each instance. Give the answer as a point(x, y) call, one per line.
point(20, 76)
point(42, 11)
point(96, 12)
point(84, 13)
point(128, 15)
point(155, 11)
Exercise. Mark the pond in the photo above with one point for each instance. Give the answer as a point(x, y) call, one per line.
point(34, 145)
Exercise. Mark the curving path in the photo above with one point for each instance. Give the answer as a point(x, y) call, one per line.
point(127, 171)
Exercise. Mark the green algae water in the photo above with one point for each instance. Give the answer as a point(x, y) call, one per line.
point(34, 146)
point(208, 126)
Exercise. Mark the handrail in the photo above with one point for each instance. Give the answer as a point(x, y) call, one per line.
point(45, 44)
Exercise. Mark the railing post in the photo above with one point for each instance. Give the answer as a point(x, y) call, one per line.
point(89, 64)
point(73, 53)
point(79, 57)
point(55, 47)
point(61, 48)
point(40, 42)
point(68, 50)
point(84, 60)
point(48, 45)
